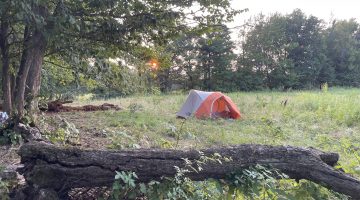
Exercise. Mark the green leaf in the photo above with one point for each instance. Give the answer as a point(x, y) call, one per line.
point(116, 186)
point(143, 188)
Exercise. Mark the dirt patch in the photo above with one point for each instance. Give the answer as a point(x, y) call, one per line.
point(90, 133)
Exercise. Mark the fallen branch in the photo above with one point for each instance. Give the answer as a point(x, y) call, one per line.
point(61, 169)
point(57, 106)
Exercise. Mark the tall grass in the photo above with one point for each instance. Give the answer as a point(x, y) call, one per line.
point(328, 120)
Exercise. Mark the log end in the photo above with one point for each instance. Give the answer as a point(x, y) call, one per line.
point(330, 158)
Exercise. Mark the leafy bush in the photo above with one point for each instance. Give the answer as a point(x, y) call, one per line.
point(62, 131)
point(8, 135)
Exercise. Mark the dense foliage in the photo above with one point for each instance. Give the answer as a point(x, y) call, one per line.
point(80, 36)
point(299, 51)
point(292, 51)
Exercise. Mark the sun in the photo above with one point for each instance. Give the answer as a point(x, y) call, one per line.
point(154, 64)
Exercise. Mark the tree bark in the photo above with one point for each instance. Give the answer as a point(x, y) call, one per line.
point(60, 169)
point(20, 82)
point(6, 76)
point(33, 81)
point(34, 49)
point(34, 77)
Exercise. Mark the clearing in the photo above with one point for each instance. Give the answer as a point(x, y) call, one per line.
point(329, 121)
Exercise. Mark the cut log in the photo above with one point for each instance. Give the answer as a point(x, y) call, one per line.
point(61, 169)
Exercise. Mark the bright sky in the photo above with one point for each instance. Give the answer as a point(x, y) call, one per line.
point(323, 9)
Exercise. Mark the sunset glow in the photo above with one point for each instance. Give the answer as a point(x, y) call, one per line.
point(154, 64)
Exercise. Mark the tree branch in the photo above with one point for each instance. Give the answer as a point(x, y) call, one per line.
point(57, 65)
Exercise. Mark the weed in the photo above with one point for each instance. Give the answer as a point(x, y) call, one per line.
point(65, 132)
point(124, 186)
point(135, 107)
point(122, 140)
point(324, 87)
point(4, 190)
point(164, 143)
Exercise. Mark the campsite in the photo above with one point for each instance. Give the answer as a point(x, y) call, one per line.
point(179, 100)
point(329, 121)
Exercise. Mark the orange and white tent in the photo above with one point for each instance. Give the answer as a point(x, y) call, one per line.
point(208, 105)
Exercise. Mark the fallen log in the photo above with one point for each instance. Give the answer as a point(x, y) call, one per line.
point(57, 106)
point(61, 169)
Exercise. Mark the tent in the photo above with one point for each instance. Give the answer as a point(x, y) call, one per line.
point(208, 105)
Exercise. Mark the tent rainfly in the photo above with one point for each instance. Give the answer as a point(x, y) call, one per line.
point(208, 105)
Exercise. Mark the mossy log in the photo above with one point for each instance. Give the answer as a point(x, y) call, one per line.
point(61, 169)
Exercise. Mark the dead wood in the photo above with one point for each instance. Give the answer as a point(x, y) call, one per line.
point(58, 106)
point(61, 169)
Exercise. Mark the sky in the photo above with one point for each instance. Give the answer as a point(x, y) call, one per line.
point(323, 9)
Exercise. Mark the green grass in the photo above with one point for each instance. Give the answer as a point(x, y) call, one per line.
point(329, 121)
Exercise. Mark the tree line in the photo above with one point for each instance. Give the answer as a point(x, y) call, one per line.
point(52, 48)
point(292, 51)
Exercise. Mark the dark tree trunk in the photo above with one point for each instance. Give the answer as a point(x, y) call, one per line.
point(26, 83)
point(6, 86)
point(59, 169)
point(26, 60)
point(6, 76)
point(33, 53)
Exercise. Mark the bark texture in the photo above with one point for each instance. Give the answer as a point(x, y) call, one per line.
point(6, 76)
point(31, 59)
point(34, 77)
point(60, 169)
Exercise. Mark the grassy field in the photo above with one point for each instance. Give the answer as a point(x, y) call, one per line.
point(327, 120)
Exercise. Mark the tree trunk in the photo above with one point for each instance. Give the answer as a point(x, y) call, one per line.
point(61, 169)
point(22, 74)
point(32, 57)
point(34, 78)
point(6, 86)
point(33, 81)
point(6, 76)
point(28, 76)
